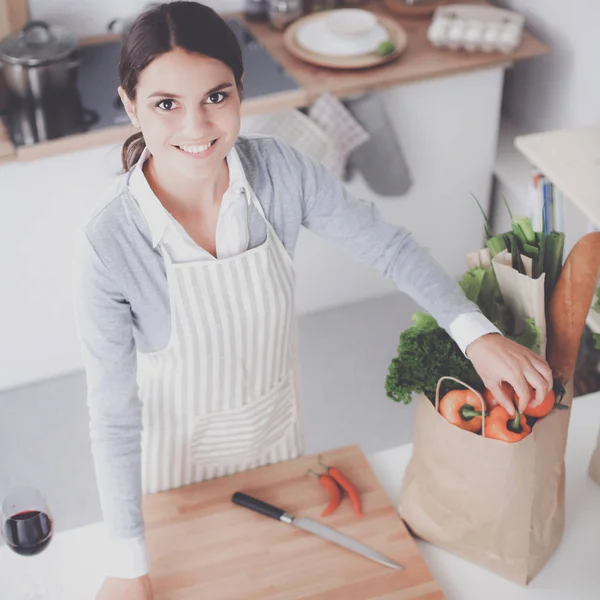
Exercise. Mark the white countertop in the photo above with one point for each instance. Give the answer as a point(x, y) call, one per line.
point(69, 563)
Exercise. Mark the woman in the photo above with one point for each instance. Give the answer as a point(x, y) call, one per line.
point(186, 284)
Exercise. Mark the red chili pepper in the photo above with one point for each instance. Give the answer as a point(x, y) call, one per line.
point(335, 492)
point(346, 485)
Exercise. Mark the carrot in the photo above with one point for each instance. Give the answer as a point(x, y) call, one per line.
point(462, 408)
point(570, 304)
point(500, 426)
point(542, 409)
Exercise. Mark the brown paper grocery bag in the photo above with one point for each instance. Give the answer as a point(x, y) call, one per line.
point(594, 469)
point(523, 295)
point(497, 504)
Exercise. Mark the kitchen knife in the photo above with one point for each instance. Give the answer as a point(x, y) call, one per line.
point(313, 526)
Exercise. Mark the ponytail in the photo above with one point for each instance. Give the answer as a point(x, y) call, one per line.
point(132, 151)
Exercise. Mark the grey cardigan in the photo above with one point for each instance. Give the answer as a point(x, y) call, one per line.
point(123, 303)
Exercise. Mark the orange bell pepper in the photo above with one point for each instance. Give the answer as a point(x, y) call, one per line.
point(544, 408)
point(539, 411)
point(490, 399)
point(500, 426)
point(463, 408)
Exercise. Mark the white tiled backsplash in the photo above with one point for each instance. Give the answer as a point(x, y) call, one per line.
point(91, 17)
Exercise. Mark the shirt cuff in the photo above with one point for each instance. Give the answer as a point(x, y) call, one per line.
point(126, 557)
point(468, 327)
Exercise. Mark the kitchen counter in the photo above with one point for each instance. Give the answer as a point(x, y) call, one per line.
point(420, 61)
point(71, 561)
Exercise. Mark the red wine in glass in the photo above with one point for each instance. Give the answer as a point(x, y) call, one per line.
point(26, 522)
point(28, 532)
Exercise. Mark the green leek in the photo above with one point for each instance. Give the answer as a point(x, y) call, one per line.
point(554, 245)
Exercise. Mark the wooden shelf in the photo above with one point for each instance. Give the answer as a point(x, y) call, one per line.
point(570, 159)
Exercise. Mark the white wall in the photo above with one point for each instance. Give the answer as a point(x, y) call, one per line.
point(448, 131)
point(561, 89)
point(90, 17)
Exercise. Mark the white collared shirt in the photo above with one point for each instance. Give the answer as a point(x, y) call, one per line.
point(232, 225)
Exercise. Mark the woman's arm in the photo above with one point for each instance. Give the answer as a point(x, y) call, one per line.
point(356, 225)
point(106, 334)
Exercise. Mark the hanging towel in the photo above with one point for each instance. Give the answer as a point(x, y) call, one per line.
point(380, 160)
point(292, 127)
point(344, 132)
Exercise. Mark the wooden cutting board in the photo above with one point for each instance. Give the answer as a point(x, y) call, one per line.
point(203, 547)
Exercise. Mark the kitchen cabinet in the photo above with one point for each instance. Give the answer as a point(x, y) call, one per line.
point(13, 15)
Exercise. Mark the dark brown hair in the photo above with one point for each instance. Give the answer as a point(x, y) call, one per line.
point(188, 25)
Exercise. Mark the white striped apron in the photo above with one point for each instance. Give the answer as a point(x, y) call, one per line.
point(223, 396)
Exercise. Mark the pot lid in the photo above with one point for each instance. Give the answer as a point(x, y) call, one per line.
point(36, 44)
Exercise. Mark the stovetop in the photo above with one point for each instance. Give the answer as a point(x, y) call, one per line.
point(94, 103)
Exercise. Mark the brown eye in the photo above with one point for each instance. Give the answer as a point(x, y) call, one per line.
point(166, 104)
point(217, 97)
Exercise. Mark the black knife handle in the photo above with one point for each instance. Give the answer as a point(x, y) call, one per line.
point(257, 505)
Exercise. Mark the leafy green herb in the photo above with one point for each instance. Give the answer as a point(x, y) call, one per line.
point(425, 353)
point(385, 48)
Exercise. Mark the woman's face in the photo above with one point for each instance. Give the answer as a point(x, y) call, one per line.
point(188, 108)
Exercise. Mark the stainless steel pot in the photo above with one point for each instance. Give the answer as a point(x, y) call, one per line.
point(39, 61)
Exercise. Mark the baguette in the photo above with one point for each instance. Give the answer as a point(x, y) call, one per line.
point(570, 303)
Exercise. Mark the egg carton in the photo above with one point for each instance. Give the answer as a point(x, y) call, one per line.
point(476, 28)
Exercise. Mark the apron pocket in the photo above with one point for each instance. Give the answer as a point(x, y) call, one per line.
point(246, 432)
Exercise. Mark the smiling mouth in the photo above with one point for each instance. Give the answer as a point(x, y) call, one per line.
point(197, 149)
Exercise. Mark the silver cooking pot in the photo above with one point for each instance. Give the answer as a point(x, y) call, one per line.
point(40, 60)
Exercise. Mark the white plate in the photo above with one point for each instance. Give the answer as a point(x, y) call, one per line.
point(316, 37)
point(351, 22)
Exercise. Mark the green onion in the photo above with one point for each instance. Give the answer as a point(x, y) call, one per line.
point(508, 208)
point(523, 229)
point(496, 244)
point(554, 245)
point(488, 229)
point(516, 250)
point(538, 264)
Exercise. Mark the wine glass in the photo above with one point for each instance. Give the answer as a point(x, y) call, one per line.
point(27, 528)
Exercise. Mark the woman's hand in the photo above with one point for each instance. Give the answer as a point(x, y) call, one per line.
point(126, 589)
point(497, 359)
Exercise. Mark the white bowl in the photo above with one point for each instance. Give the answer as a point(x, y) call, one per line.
point(351, 22)
point(314, 35)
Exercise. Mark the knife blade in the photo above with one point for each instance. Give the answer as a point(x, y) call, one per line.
point(314, 527)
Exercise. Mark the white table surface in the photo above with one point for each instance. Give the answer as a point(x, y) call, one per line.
point(70, 564)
